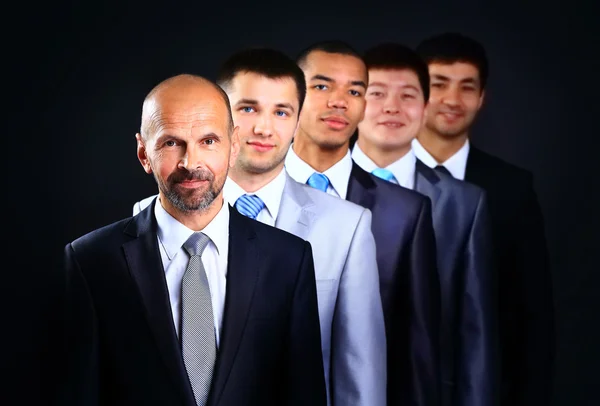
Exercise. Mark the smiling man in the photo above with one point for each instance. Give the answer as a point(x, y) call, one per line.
point(397, 97)
point(336, 79)
point(458, 67)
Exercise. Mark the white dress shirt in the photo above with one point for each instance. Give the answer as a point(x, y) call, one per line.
point(338, 174)
point(270, 194)
point(403, 169)
point(171, 237)
point(456, 164)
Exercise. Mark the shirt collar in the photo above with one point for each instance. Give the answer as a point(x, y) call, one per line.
point(403, 169)
point(270, 193)
point(456, 164)
point(173, 234)
point(338, 174)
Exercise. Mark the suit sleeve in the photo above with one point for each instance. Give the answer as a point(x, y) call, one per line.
point(358, 333)
point(477, 360)
point(305, 374)
point(539, 334)
point(424, 307)
point(80, 344)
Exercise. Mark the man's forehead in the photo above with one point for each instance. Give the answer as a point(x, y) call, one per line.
point(389, 76)
point(341, 63)
point(454, 70)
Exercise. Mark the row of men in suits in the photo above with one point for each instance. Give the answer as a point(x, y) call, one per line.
point(394, 299)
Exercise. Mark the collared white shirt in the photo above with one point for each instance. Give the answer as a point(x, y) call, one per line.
point(171, 237)
point(270, 194)
point(403, 169)
point(338, 174)
point(456, 164)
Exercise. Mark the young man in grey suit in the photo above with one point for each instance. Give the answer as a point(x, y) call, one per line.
point(266, 90)
point(397, 97)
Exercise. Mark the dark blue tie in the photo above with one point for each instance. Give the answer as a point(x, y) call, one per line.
point(318, 181)
point(384, 174)
point(249, 205)
point(443, 169)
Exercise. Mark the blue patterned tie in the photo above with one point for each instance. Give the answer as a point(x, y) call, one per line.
point(249, 205)
point(318, 181)
point(385, 175)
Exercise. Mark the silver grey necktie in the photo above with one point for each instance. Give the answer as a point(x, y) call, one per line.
point(198, 343)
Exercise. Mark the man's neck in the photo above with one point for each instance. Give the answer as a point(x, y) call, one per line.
point(382, 158)
point(320, 159)
point(439, 147)
point(195, 220)
point(251, 182)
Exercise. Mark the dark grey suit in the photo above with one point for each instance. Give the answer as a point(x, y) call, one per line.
point(469, 341)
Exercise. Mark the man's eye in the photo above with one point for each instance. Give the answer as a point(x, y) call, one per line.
point(355, 93)
point(281, 113)
point(437, 85)
point(209, 141)
point(320, 87)
point(376, 94)
point(170, 143)
point(248, 109)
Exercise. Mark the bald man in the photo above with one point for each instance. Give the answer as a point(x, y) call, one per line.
point(190, 302)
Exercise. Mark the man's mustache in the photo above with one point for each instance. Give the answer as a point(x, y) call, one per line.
point(199, 174)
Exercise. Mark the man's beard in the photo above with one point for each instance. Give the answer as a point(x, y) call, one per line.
point(185, 199)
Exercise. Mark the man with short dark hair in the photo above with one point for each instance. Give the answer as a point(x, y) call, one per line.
point(337, 78)
point(459, 67)
point(397, 97)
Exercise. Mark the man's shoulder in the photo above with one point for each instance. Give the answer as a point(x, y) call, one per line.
point(328, 204)
point(104, 238)
point(460, 188)
point(142, 204)
point(497, 166)
point(265, 232)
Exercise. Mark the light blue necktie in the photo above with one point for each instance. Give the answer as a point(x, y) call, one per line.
point(249, 205)
point(385, 175)
point(318, 181)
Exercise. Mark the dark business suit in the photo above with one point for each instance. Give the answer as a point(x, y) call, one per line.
point(122, 348)
point(469, 343)
point(525, 286)
point(409, 284)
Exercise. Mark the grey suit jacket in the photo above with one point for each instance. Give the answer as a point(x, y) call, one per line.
point(350, 310)
point(469, 342)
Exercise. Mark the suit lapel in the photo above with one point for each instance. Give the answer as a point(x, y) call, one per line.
point(145, 265)
point(244, 263)
point(295, 210)
point(361, 188)
point(426, 182)
point(473, 172)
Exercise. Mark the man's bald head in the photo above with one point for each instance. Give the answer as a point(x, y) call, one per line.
point(181, 89)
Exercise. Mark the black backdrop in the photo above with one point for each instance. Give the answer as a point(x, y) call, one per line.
point(82, 71)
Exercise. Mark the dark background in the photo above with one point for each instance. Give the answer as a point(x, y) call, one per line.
point(81, 72)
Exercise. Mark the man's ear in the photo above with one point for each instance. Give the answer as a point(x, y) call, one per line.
point(141, 153)
point(481, 98)
point(235, 146)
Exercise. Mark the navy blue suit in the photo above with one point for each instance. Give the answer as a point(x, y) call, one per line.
point(526, 324)
point(121, 344)
point(409, 284)
point(469, 342)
